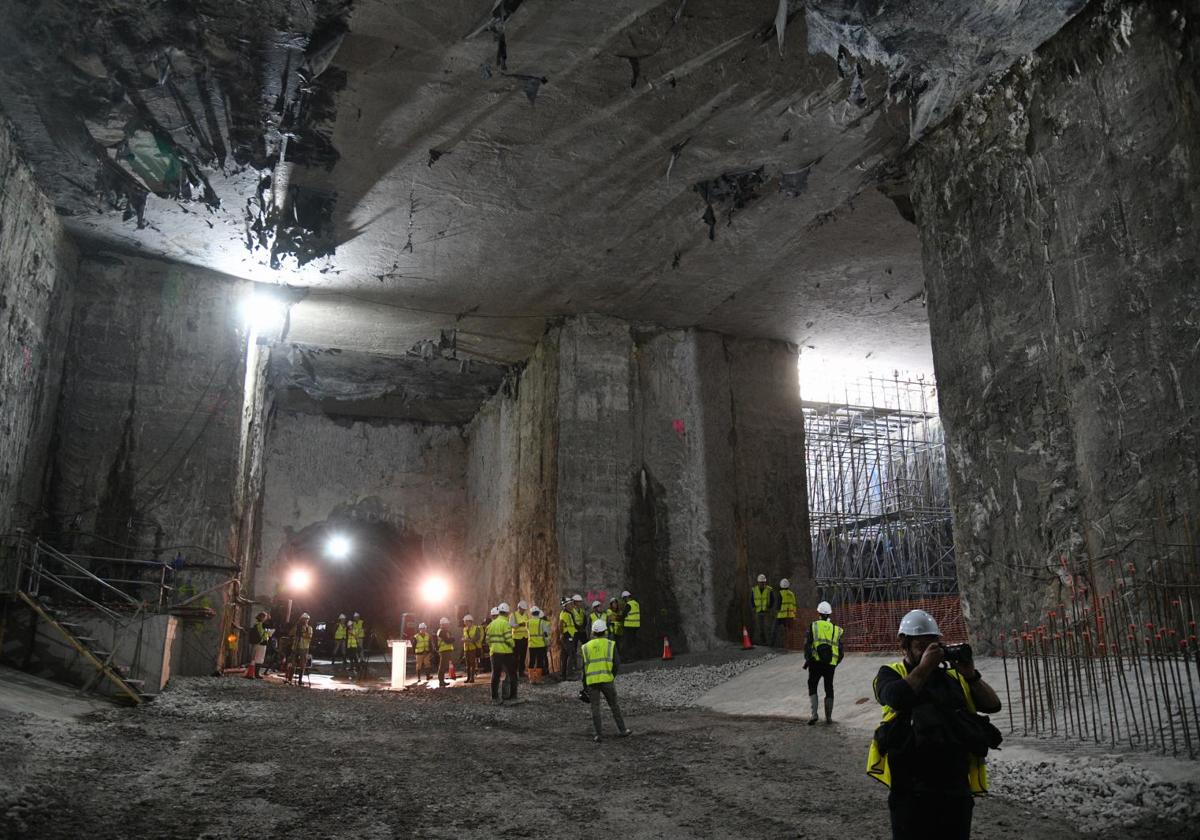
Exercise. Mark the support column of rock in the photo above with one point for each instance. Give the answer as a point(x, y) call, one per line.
point(1058, 213)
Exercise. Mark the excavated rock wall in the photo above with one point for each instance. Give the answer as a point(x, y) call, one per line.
point(1058, 211)
point(396, 489)
point(37, 270)
point(148, 427)
point(678, 473)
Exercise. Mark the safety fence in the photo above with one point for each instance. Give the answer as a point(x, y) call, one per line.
point(873, 627)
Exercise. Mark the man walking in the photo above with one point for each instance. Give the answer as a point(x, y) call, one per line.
point(445, 649)
point(539, 634)
point(930, 746)
point(520, 634)
point(786, 616)
point(822, 653)
point(762, 599)
point(472, 642)
point(633, 623)
point(500, 645)
point(601, 662)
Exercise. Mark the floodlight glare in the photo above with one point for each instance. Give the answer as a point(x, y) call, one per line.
point(435, 590)
point(299, 579)
point(338, 547)
point(263, 312)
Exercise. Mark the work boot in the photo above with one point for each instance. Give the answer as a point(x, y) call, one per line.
point(828, 709)
point(812, 698)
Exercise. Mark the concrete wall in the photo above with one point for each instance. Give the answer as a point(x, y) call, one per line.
point(37, 269)
point(397, 488)
point(149, 421)
point(1058, 212)
point(678, 474)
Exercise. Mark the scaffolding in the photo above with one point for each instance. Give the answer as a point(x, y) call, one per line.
point(879, 504)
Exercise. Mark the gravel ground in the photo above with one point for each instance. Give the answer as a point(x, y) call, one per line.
point(219, 758)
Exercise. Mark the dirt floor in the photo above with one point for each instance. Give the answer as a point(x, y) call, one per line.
point(229, 757)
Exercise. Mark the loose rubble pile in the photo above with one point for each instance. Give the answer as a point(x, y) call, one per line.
point(676, 687)
point(1096, 793)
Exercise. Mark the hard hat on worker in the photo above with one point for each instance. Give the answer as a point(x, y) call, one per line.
point(356, 615)
point(918, 623)
point(522, 605)
point(598, 626)
point(493, 612)
point(785, 583)
point(341, 615)
point(595, 603)
point(502, 607)
point(824, 608)
point(625, 594)
point(305, 615)
point(468, 617)
point(536, 610)
point(422, 626)
point(577, 597)
point(443, 620)
point(762, 578)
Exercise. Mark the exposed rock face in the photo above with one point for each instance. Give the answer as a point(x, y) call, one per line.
point(396, 489)
point(1058, 212)
point(677, 473)
point(37, 269)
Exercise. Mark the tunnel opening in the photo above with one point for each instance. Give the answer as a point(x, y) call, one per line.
point(649, 552)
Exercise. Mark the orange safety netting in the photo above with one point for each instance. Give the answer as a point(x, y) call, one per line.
point(871, 627)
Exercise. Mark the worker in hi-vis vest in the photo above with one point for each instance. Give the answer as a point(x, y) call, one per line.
point(600, 665)
point(501, 649)
point(632, 623)
point(933, 779)
point(762, 601)
point(785, 616)
point(423, 650)
point(539, 639)
point(568, 639)
point(445, 649)
point(822, 653)
point(339, 641)
point(519, 622)
point(472, 642)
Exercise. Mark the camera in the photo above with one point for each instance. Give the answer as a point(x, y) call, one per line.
point(953, 654)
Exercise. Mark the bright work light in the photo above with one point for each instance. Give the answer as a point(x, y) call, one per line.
point(263, 312)
point(435, 590)
point(299, 579)
point(338, 547)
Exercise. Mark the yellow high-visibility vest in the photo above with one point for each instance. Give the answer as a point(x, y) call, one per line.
point(593, 618)
point(521, 629)
point(499, 635)
point(613, 618)
point(579, 617)
point(825, 632)
point(787, 604)
point(358, 630)
point(598, 661)
point(301, 636)
point(260, 631)
point(421, 643)
point(536, 639)
point(472, 637)
point(762, 598)
point(339, 633)
point(443, 645)
point(877, 762)
point(352, 642)
point(566, 623)
point(633, 614)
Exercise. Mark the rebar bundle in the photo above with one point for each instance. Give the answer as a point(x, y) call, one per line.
point(1119, 667)
point(879, 503)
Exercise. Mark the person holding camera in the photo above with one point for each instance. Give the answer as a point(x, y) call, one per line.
point(822, 653)
point(930, 746)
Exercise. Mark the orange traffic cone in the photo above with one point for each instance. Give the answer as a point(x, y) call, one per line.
point(746, 638)
point(667, 649)
point(250, 671)
point(452, 674)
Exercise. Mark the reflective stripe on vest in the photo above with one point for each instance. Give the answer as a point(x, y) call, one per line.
point(472, 636)
point(421, 643)
point(520, 630)
point(762, 598)
point(613, 619)
point(536, 639)
point(443, 645)
point(787, 604)
point(566, 623)
point(358, 630)
point(499, 635)
point(633, 614)
point(579, 617)
point(827, 633)
point(598, 661)
point(877, 762)
point(352, 642)
point(339, 632)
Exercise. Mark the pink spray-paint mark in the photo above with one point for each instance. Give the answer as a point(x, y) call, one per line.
point(679, 427)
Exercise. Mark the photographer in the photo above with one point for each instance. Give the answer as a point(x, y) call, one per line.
point(930, 747)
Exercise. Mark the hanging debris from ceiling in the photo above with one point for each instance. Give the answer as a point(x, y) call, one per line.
point(731, 191)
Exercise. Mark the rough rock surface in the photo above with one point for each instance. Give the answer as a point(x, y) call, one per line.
point(1058, 210)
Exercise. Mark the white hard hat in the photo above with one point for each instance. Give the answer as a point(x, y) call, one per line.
point(762, 578)
point(784, 583)
point(468, 617)
point(918, 623)
point(824, 608)
point(522, 605)
point(536, 610)
point(577, 597)
point(595, 603)
point(356, 615)
point(422, 626)
point(305, 615)
point(443, 620)
point(598, 626)
point(341, 615)
point(502, 606)
point(625, 594)
point(493, 612)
